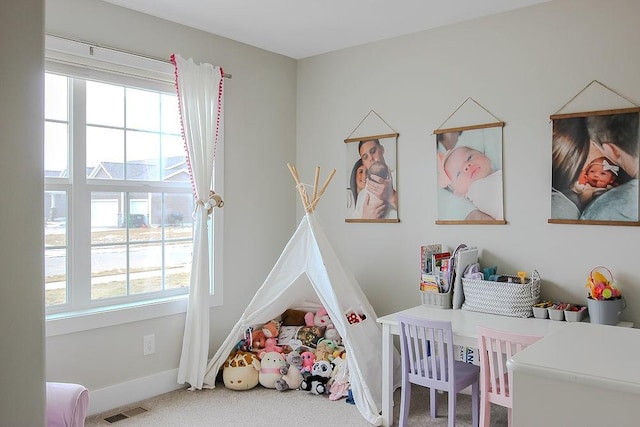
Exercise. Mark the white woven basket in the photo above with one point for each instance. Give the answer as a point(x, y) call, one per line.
point(507, 299)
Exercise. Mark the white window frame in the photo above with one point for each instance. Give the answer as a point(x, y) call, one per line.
point(92, 62)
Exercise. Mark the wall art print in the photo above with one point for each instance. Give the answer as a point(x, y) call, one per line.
point(595, 163)
point(371, 176)
point(470, 183)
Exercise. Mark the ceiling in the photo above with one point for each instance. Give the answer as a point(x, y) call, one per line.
point(303, 28)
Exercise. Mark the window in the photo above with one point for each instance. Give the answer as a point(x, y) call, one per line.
point(118, 197)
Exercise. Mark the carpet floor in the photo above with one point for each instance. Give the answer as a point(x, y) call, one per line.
point(261, 407)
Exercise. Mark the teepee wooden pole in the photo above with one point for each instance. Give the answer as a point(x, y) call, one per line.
point(300, 187)
point(315, 183)
point(324, 187)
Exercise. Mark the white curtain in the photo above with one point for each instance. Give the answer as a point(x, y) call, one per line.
point(200, 94)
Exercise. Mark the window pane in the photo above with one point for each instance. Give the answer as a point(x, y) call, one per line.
point(143, 110)
point(55, 97)
point(55, 150)
point(105, 104)
point(177, 264)
point(143, 156)
point(178, 218)
point(139, 242)
point(107, 224)
point(140, 218)
point(170, 114)
point(55, 243)
point(145, 266)
point(105, 153)
point(174, 159)
point(55, 276)
point(55, 214)
point(108, 272)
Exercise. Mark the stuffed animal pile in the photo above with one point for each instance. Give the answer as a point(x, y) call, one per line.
point(300, 350)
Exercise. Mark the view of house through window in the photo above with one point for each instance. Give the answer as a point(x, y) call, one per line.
point(118, 201)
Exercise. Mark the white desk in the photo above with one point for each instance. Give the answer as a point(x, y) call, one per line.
point(591, 369)
point(464, 324)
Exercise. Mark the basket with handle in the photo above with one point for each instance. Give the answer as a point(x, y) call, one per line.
point(601, 285)
point(604, 301)
point(513, 298)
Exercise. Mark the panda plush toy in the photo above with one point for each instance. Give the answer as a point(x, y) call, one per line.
point(316, 383)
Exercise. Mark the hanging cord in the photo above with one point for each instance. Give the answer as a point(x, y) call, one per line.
point(587, 87)
point(460, 106)
point(365, 118)
point(309, 206)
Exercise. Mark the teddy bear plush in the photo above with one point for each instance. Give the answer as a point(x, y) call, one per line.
point(316, 383)
point(293, 317)
point(241, 371)
point(270, 364)
point(291, 375)
point(324, 349)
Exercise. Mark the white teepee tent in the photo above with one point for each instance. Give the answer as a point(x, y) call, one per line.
point(309, 274)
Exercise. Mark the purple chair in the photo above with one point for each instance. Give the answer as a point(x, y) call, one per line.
point(427, 360)
point(66, 404)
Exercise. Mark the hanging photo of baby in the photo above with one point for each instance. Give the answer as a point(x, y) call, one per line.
point(470, 184)
point(595, 169)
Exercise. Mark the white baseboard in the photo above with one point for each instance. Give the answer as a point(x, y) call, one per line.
point(124, 394)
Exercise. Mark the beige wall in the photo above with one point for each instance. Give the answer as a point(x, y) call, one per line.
point(522, 66)
point(259, 194)
point(21, 256)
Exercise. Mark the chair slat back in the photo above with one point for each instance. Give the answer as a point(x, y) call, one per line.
point(496, 348)
point(427, 351)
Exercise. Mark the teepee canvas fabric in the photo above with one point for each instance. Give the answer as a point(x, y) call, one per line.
point(309, 275)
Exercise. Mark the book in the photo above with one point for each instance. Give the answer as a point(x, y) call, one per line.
point(437, 259)
point(445, 274)
point(426, 251)
point(429, 282)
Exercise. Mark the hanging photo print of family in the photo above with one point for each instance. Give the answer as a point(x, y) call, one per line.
point(470, 175)
point(371, 176)
point(595, 168)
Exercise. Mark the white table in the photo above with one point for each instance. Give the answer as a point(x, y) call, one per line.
point(591, 369)
point(464, 324)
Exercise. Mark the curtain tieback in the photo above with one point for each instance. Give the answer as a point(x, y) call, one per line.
point(214, 201)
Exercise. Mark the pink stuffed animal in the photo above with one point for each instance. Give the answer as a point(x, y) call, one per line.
point(321, 318)
point(271, 345)
point(308, 359)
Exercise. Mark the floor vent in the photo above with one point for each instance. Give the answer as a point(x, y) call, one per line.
point(125, 414)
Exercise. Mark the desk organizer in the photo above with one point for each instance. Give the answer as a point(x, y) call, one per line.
point(556, 313)
point(572, 315)
point(513, 299)
point(436, 299)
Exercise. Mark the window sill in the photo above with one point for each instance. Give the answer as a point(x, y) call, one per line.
point(68, 323)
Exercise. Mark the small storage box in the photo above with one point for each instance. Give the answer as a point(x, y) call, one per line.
point(436, 299)
point(540, 312)
point(574, 316)
point(556, 314)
